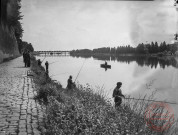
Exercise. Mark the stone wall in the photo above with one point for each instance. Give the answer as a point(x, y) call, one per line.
point(8, 22)
point(8, 45)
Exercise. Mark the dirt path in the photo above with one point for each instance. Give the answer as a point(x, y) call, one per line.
point(20, 114)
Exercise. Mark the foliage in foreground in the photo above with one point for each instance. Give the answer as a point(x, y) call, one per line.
point(81, 111)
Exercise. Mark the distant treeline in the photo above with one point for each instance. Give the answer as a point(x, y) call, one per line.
point(153, 62)
point(10, 21)
point(150, 48)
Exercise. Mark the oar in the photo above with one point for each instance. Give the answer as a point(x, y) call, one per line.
point(153, 100)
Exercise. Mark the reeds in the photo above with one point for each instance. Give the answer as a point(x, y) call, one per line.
point(84, 112)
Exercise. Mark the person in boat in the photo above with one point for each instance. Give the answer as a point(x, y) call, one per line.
point(70, 83)
point(117, 94)
point(106, 63)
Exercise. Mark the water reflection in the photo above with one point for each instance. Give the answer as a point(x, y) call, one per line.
point(139, 75)
point(100, 57)
point(82, 56)
point(152, 62)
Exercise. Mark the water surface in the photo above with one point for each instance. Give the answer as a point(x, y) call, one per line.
point(139, 75)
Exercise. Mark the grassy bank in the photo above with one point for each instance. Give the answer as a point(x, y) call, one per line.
point(82, 112)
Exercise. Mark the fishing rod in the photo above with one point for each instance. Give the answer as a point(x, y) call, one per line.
point(153, 100)
point(80, 70)
point(53, 62)
point(45, 56)
point(43, 59)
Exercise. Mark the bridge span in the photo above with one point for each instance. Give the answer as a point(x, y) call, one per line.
point(51, 52)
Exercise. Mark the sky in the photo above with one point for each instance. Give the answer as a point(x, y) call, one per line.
point(81, 24)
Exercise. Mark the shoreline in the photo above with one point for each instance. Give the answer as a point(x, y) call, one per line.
point(114, 55)
point(86, 111)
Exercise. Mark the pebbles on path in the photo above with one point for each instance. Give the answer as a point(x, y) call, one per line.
point(20, 114)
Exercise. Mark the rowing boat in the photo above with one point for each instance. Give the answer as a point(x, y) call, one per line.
point(105, 66)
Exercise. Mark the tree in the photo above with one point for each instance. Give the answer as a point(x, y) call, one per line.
point(152, 50)
point(164, 47)
point(140, 48)
point(113, 50)
point(173, 48)
point(10, 18)
point(156, 48)
point(26, 46)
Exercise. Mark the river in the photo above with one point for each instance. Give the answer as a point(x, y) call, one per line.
point(139, 75)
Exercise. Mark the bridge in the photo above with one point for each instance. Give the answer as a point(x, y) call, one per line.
point(52, 53)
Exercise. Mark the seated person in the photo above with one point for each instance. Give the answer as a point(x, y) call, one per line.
point(70, 84)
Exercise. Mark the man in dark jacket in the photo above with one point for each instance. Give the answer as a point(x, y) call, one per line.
point(47, 65)
point(39, 62)
point(117, 94)
point(25, 58)
point(70, 84)
point(28, 59)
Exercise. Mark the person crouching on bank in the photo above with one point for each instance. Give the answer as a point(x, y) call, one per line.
point(117, 94)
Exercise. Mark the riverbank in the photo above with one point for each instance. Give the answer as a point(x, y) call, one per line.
point(81, 111)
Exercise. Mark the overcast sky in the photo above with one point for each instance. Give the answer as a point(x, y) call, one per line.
point(77, 24)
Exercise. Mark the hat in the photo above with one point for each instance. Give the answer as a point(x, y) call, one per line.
point(119, 83)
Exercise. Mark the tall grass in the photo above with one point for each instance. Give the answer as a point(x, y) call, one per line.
point(82, 112)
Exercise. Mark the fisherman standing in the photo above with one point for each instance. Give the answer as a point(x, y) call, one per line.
point(70, 84)
point(25, 58)
point(28, 59)
point(117, 94)
point(47, 65)
point(39, 62)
